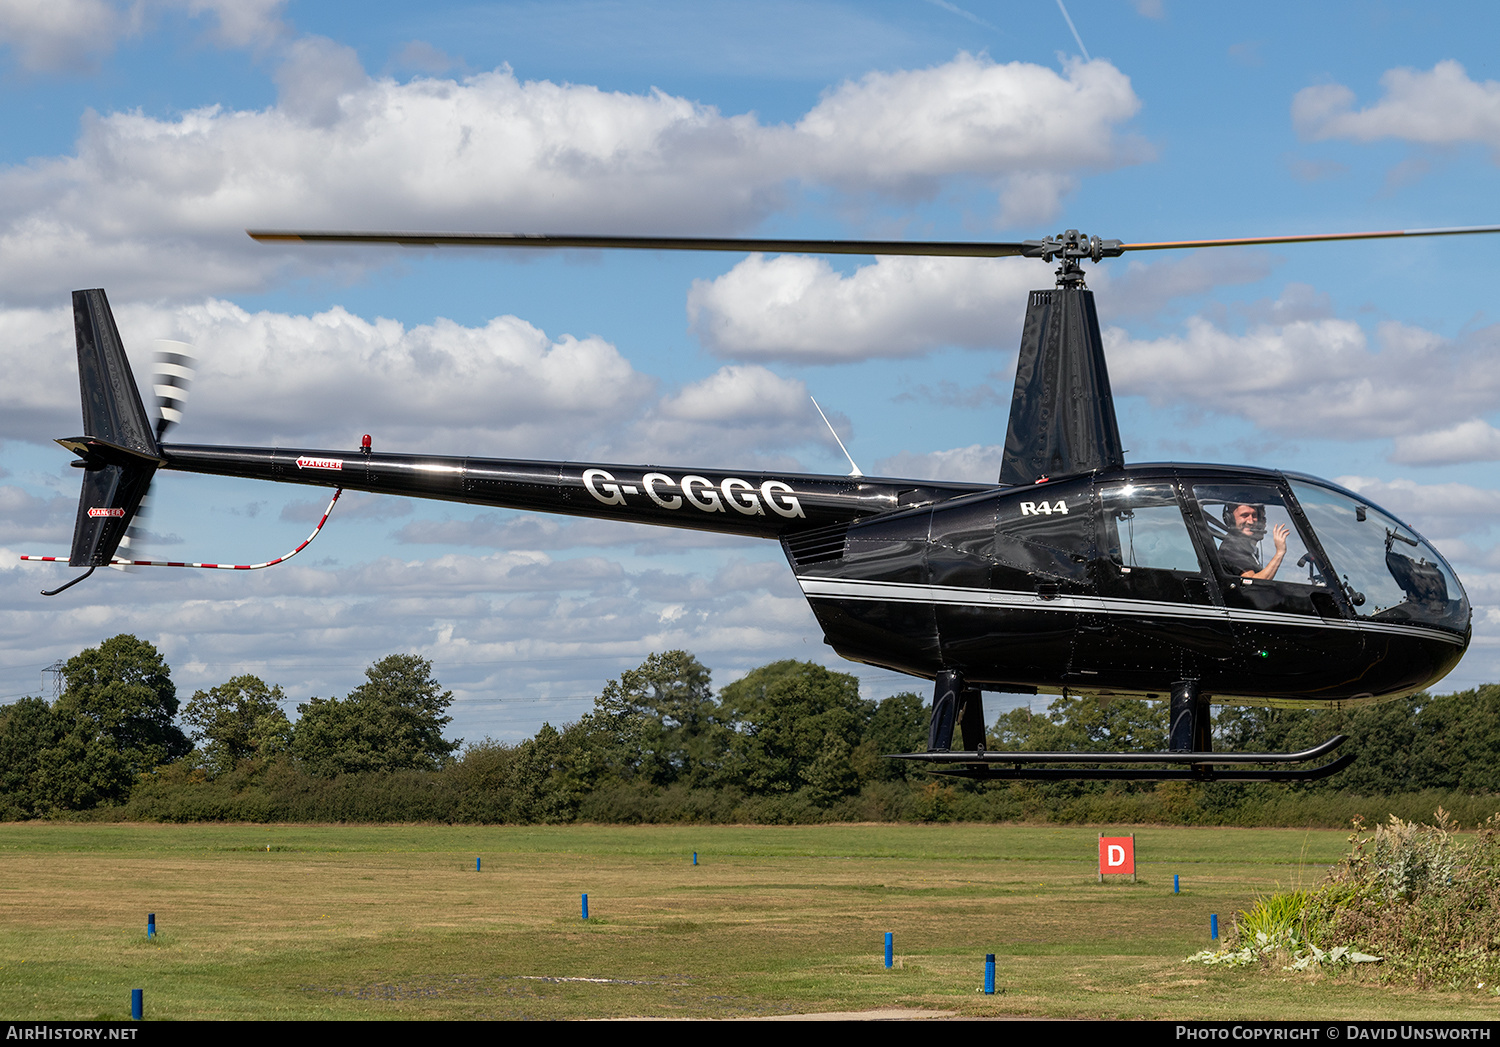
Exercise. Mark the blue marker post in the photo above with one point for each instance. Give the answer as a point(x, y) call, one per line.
point(989, 974)
point(586, 906)
point(890, 950)
point(137, 1004)
point(150, 925)
point(695, 857)
point(1176, 887)
point(1213, 926)
point(476, 864)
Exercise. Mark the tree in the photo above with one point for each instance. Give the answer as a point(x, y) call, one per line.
point(236, 721)
point(392, 722)
point(27, 729)
point(899, 725)
point(666, 717)
point(1085, 723)
point(799, 725)
point(114, 723)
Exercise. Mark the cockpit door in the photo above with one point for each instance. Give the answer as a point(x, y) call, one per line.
point(1157, 618)
point(1291, 624)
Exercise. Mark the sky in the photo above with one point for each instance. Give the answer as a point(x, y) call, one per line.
point(139, 140)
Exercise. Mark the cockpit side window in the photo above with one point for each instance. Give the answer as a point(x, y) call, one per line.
point(1254, 536)
point(1262, 555)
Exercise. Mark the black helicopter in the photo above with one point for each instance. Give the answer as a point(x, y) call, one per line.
point(1075, 573)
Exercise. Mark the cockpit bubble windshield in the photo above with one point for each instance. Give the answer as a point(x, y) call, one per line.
point(1388, 572)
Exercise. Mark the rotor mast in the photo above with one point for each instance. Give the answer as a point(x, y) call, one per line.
point(1072, 247)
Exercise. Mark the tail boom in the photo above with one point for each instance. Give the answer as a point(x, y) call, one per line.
point(753, 504)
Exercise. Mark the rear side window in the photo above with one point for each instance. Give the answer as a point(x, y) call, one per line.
point(1143, 527)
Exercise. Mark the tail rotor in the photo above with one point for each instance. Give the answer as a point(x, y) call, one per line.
point(174, 365)
point(120, 451)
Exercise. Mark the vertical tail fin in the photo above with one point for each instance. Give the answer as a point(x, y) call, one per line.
point(118, 449)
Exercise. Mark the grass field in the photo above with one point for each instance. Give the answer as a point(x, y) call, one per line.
point(394, 922)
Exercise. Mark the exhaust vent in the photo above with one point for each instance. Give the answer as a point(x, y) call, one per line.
point(816, 546)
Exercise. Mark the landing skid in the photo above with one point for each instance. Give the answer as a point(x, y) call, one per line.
point(1024, 766)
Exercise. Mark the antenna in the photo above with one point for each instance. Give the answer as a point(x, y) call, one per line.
point(853, 469)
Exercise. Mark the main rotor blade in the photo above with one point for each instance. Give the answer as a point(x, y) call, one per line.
point(1250, 241)
point(939, 248)
point(1068, 245)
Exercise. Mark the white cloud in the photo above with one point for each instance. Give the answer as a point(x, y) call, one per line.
point(424, 57)
point(977, 463)
point(901, 131)
point(267, 377)
point(352, 505)
point(1440, 107)
point(1437, 510)
point(241, 23)
point(315, 79)
point(793, 307)
point(38, 374)
point(514, 625)
point(441, 385)
point(71, 35)
point(737, 394)
point(538, 531)
point(746, 416)
point(54, 35)
point(505, 389)
point(1318, 377)
point(1472, 441)
point(152, 206)
point(1139, 288)
point(31, 517)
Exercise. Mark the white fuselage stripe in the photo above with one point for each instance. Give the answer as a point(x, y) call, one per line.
point(907, 592)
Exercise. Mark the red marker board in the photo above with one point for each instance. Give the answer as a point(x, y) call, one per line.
point(1116, 856)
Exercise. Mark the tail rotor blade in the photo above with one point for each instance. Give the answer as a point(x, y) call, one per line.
point(174, 365)
point(133, 545)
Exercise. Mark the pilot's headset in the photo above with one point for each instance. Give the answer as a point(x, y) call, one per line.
point(1259, 530)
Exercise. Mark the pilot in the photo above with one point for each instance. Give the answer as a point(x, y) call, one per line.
point(1239, 552)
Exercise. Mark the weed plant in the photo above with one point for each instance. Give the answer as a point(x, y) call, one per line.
point(1423, 898)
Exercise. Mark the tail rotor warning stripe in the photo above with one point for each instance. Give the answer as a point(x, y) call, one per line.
point(117, 562)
